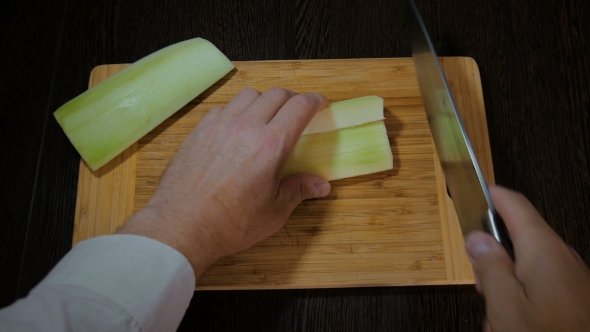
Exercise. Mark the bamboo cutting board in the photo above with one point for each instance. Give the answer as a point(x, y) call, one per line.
point(391, 228)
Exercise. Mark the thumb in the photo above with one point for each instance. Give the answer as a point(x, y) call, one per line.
point(296, 188)
point(493, 267)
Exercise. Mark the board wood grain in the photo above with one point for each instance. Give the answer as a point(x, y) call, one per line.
point(386, 229)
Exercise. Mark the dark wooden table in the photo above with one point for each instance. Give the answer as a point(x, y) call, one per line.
point(535, 68)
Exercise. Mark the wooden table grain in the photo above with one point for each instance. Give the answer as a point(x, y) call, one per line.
point(534, 59)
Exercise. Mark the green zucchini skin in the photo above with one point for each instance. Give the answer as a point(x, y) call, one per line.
point(108, 118)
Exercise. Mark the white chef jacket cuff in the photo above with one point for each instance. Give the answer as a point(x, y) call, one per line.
point(149, 280)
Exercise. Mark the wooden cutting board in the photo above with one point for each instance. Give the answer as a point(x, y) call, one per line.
point(391, 228)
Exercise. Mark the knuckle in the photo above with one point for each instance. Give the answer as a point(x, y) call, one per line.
point(304, 191)
point(250, 92)
point(298, 190)
point(279, 93)
point(211, 117)
point(212, 114)
point(302, 102)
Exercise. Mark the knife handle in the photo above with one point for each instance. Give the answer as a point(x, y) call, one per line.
point(494, 225)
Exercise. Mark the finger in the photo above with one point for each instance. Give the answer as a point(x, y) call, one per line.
point(241, 102)
point(296, 188)
point(493, 267)
point(268, 104)
point(295, 115)
point(519, 214)
point(211, 116)
point(538, 250)
point(531, 236)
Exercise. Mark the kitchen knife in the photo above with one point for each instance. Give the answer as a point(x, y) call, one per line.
point(465, 182)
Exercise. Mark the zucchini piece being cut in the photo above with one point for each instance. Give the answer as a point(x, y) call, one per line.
point(346, 113)
point(348, 151)
point(105, 120)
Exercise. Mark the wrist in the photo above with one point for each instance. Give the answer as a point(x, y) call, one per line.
point(189, 242)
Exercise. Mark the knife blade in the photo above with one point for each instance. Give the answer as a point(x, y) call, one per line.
point(465, 182)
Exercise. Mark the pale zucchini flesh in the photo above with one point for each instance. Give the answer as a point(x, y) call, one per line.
point(342, 153)
point(105, 120)
point(346, 113)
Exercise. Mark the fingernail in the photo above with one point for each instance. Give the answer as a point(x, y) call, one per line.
point(478, 244)
point(320, 189)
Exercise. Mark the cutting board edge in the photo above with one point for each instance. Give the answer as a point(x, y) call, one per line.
point(434, 282)
point(467, 58)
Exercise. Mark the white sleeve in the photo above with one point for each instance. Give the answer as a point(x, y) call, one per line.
point(110, 283)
